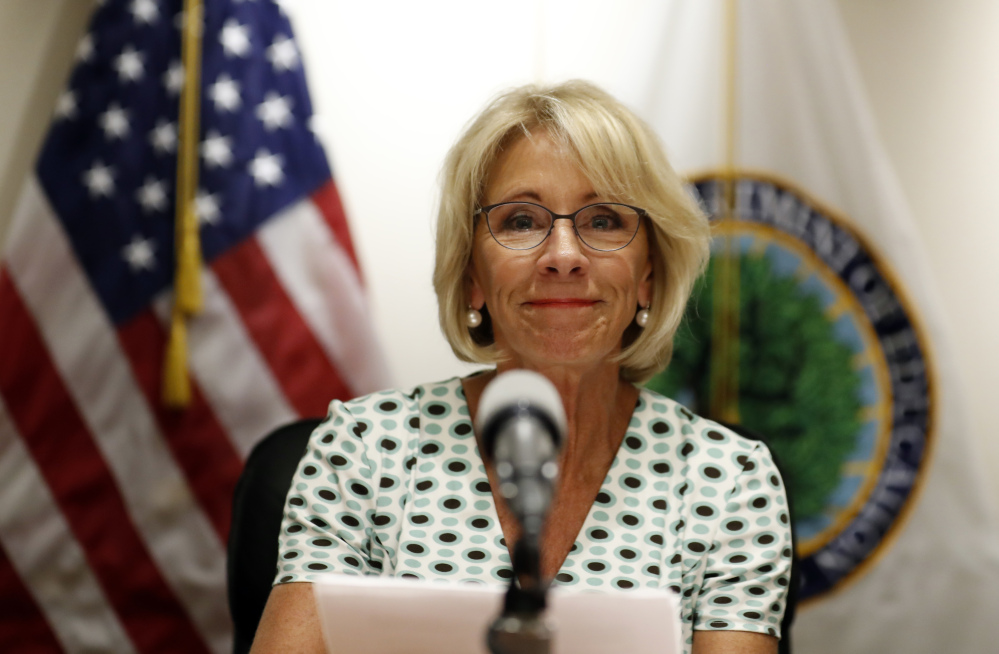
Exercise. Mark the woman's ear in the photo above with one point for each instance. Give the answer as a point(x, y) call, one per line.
point(476, 296)
point(645, 285)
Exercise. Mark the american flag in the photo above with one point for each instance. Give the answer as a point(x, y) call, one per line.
point(114, 510)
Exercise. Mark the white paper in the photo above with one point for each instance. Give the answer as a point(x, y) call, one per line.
point(379, 615)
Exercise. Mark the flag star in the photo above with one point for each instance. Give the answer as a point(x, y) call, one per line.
point(283, 54)
point(139, 254)
point(66, 105)
point(206, 206)
point(99, 180)
point(235, 38)
point(225, 94)
point(144, 11)
point(274, 111)
point(163, 137)
point(129, 65)
point(152, 195)
point(85, 49)
point(266, 169)
point(114, 122)
point(216, 150)
point(173, 79)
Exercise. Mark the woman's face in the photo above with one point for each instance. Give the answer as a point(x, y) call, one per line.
point(561, 303)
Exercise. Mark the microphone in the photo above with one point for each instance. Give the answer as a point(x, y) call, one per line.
point(522, 422)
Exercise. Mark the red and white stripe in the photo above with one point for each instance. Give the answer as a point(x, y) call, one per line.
point(114, 511)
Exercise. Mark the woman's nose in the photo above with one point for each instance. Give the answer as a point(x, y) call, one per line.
point(563, 249)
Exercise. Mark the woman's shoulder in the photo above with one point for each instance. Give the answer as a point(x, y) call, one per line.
point(667, 419)
point(393, 401)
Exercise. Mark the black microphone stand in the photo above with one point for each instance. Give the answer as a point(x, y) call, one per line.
point(521, 628)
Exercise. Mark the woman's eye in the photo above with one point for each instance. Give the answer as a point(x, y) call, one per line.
point(604, 222)
point(520, 222)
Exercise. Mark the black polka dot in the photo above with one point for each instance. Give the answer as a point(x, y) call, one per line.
point(756, 590)
point(628, 554)
point(660, 505)
point(686, 450)
point(327, 495)
point(318, 567)
point(351, 561)
point(443, 567)
point(718, 624)
point(633, 443)
point(603, 498)
point(704, 511)
point(337, 461)
point(430, 448)
point(598, 534)
point(309, 470)
point(632, 482)
point(715, 435)
point(424, 485)
point(765, 539)
point(660, 427)
point(290, 555)
point(381, 520)
point(410, 462)
point(448, 537)
point(416, 548)
point(564, 577)
point(686, 414)
point(760, 503)
point(661, 468)
point(377, 565)
point(596, 566)
point(386, 482)
point(696, 547)
point(350, 521)
point(388, 406)
point(712, 472)
point(483, 487)
point(414, 422)
point(683, 489)
point(359, 489)
point(452, 503)
point(765, 568)
point(388, 444)
point(436, 409)
point(327, 439)
point(737, 558)
point(676, 559)
point(457, 466)
point(408, 575)
point(463, 428)
point(657, 539)
point(476, 555)
point(480, 523)
point(294, 529)
point(296, 501)
point(286, 578)
point(360, 428)
point(723, 600)
point(319, 522)
point(624, 583)
point(652, 570)
point(504, 573)
point(322, 542)
point(419, 519)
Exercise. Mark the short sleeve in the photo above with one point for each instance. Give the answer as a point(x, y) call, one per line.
point(335, 516)
point(749, 565)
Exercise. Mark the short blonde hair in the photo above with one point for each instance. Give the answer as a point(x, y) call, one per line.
point(623, 159)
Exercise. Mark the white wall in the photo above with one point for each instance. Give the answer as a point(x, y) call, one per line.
point(931, 69)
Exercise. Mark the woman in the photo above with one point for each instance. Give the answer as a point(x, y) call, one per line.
point(568, 246)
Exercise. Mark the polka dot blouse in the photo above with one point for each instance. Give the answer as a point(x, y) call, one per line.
point(393, 484)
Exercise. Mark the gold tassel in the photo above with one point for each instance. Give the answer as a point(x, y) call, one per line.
point(187, 299)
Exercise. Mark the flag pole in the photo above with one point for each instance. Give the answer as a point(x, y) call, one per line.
point(724, 402)
point(187, 276)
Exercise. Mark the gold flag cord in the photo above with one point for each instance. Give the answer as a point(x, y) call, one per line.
point(187, 276)
point(724, 371)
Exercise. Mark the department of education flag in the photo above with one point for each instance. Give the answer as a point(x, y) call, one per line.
point(114, 510)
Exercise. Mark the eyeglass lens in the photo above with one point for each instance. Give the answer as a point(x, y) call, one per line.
point(522, 225)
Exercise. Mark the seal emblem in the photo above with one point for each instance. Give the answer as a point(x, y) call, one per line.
point(830, 367)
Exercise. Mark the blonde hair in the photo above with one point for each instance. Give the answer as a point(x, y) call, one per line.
point(623, 159)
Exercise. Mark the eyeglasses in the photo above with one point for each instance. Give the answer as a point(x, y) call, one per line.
point(525, 225)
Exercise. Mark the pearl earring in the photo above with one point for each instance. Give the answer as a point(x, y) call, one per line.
point(473, 318)
point(642, 317)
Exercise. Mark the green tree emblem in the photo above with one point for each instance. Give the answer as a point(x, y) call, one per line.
point(797, 387)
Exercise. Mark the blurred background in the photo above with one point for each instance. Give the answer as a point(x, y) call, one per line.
point(394, 83)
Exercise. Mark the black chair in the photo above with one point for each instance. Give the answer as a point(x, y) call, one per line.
point(257, 508)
